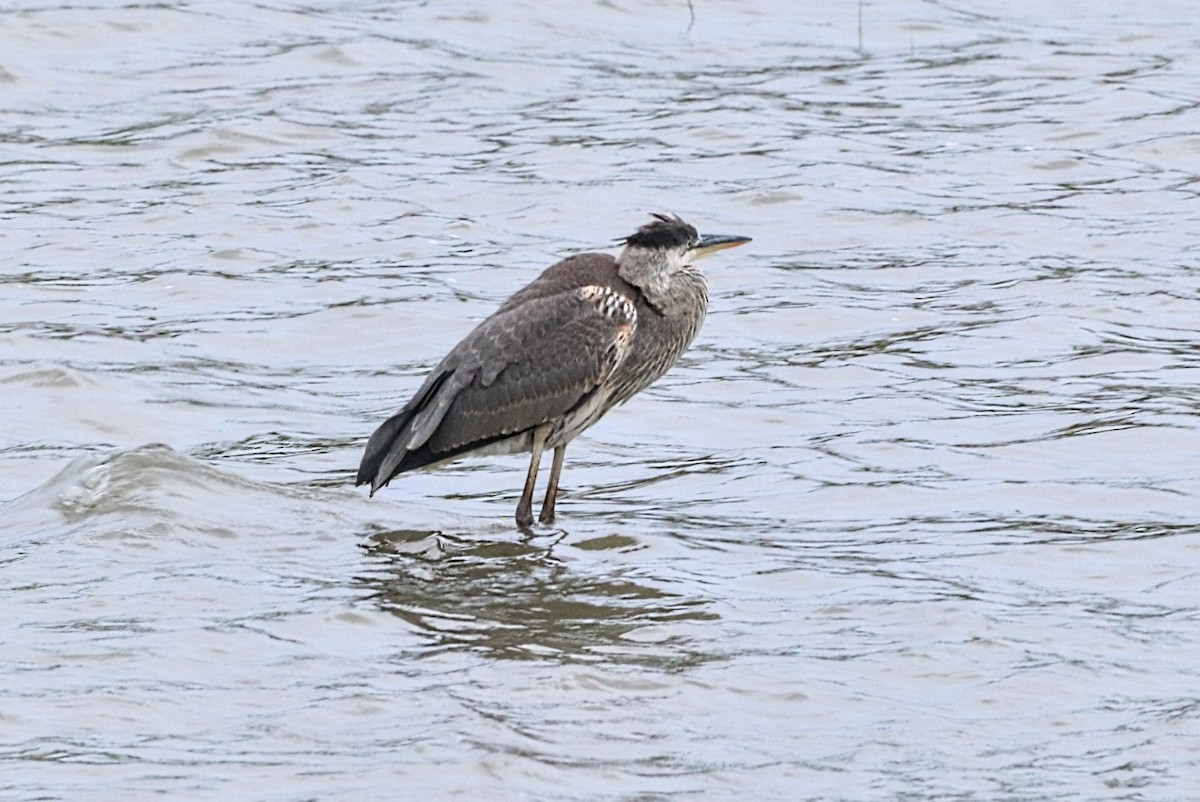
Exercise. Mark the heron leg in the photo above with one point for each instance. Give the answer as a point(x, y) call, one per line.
point(547, 516)
point(525, 507)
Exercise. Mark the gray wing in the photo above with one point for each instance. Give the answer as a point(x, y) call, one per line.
point(524, 366)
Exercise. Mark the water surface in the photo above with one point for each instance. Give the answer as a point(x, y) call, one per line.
point(918, 516)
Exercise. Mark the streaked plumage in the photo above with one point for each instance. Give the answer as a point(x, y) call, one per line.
point(587, 334)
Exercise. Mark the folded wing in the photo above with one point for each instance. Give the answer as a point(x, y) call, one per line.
point(525, 366)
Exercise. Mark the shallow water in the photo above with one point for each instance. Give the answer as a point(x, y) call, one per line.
point(917, 517)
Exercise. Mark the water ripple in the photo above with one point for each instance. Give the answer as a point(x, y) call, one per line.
point(929, 468)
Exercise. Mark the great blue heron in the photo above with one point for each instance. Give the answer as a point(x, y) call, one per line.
point(584, 336)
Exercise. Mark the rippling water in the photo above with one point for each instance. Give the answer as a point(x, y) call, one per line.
point(917, 517)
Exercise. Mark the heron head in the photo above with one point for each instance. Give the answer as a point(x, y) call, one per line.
point(667, 244)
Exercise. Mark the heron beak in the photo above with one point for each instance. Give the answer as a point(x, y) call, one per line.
point(711, 243)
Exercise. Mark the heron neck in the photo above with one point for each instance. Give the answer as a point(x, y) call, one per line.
point(648, 272)
point(672, 293)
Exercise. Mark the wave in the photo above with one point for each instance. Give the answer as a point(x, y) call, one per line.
point(155, 490)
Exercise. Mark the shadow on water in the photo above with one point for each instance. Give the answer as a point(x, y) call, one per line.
point(517, 599)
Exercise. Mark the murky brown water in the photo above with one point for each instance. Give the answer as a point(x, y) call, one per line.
point(917, 518)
